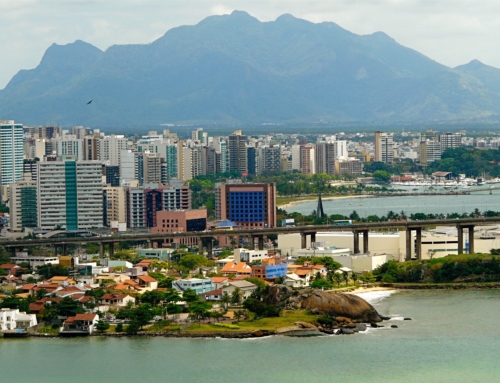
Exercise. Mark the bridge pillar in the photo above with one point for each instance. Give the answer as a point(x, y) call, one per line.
point(303, 240)
point(111, 249)
point(356, 241)
point(64, 249)
point(149, 244)
point(471, 239)
point(101, 250)
point(460, 238)
point(200, 245)
point(210, 247)
point(251, 242)
point(261, 242)
point(408, 245)
point(418, 243)
point(365, 241)
point(313, 238)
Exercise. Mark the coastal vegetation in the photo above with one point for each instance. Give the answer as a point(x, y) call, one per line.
point(463, 268)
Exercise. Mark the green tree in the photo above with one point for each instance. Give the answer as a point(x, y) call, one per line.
point(102, 326)
point(142, 315)
point(236, 296)
point(153, 297)
point(321, 284)
point(190, 295)
point(119, 327)
point(198, 310)
point(133, 328)
point(68, 307)
point(381, 176)
point(192, 261)
point(225, 299)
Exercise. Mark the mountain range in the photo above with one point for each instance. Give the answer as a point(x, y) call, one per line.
point(234, 69)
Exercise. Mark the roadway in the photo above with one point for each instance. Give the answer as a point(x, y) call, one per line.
point(304, 231)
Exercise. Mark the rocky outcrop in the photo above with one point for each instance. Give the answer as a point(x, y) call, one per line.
point(345, 307)
point(341, 305)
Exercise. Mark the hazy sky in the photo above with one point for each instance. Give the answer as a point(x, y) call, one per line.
point(452, 32)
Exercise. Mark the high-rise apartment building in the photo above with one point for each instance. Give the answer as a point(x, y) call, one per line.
point(268, 159)
point(127, 167)
point(429, 151)
point(384, 147)
point(248, 205)
point(114, 205)
point(11, 152)
point(208, 160)
point(144, 201)
point(450, 140)
point(110, 148)
point(112, 175)
point(348, 165)
point(325, 158)
point(69, 194)
point(237, 148)
point(23, 203)
point(307, 160)
point(69, 145)
point(251, 160)
point(296, 157)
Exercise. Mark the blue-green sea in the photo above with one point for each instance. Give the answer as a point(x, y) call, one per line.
point(453, 336)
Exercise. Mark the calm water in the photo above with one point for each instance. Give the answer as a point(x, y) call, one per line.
point(409, 204)
point(453, 337)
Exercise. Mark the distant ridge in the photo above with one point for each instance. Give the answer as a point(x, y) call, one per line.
point(236, 69)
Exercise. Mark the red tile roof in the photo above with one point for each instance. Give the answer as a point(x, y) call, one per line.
point(146, 278)
point(213, 292)
point(85, 316)
point(8, 266)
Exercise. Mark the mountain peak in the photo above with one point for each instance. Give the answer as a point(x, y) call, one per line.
point(472, 65)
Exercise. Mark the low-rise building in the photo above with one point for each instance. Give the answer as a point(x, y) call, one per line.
point(246, 288)
point(116, 299)
point(13, 319)
point(197, 284)
point(236, 268)
point(80, 324)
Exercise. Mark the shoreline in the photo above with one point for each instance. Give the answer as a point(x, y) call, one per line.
point(289, 204)
point(267, 333)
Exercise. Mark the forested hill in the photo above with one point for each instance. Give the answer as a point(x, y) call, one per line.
point(471, 162)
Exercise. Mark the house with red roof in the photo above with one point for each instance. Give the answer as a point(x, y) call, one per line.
point(79, 325)
point(147, 282)
point(116, 299)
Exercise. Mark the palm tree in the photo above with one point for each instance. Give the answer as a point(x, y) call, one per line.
point(354, 277)
point(338, 278)
point(345, 277)
point(226, 299)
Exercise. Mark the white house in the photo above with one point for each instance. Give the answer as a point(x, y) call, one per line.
point(80, 324)
point(116, 299)
point(293, 280)
point(12, 319)
point(246, 288)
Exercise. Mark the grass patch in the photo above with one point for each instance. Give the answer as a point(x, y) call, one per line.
point(287, 318)
point(163, 325)
point(48, 330)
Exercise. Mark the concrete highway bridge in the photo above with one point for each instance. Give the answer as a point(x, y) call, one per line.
point(205, 237)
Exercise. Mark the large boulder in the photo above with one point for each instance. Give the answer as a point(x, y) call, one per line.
point(345, 307)
point(341, 305)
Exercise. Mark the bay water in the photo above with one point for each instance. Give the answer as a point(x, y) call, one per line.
point(453, 336)
point(435, 204)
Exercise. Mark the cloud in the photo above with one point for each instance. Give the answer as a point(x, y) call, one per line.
point(451, 32)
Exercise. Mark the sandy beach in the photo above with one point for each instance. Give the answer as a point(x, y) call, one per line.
point(324, 199)
point(361, 290)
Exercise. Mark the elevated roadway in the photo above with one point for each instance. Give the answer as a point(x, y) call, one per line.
point(304, 231)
